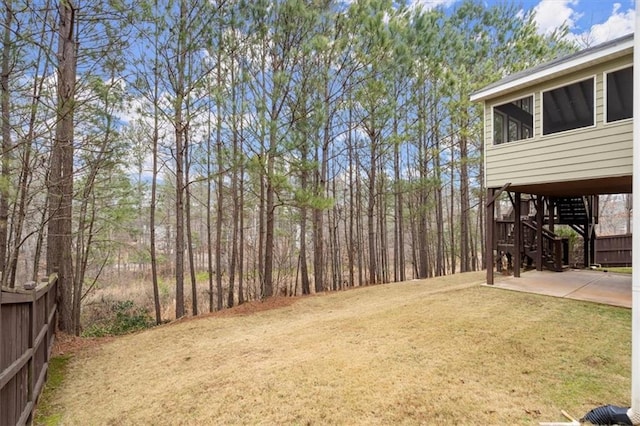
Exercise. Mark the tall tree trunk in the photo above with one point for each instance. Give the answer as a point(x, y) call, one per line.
point(440, 250)
point(359, 225)
point(241, 297)
point(180, 128)
point(351, 239)
point(318, 225)
point(398, 226)
point(210, 270)
point(371, 208)
point(219, 202)
point(452, 229)
point(464, 207)
point(153, 204)
point(154, 173)
point(302, 256)
point(235, 159)
point(382, 225)
point(60, 186)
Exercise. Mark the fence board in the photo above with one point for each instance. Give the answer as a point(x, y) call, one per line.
point(614, 250)
point(27, 326)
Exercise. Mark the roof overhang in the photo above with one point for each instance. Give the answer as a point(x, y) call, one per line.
point(556, 68)
point(612, 185)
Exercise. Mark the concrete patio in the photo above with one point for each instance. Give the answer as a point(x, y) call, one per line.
point(593, 286)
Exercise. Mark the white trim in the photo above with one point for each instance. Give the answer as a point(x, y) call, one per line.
point(605, 90)
point(556, 70)
point(594, 112)
point(635, 249)
point(506, 133)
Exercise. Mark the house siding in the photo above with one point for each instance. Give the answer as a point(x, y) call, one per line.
point(600, 151)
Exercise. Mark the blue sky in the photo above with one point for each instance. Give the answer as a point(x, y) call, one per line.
point(590, 21)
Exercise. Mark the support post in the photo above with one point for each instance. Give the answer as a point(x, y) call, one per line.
point(586, 240)
point(539, 220)
point(517, 235)
point(490, 224)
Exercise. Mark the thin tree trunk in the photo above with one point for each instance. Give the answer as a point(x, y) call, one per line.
point(210, 271)
point(398, 226)
point(371, 206)
point(154, 175)
point(351, 239)
point(234, 188)
point(220, 185)
point(152, 207)
point(192, 268)
point(452, 234)
point(5, 162)
point(26, 172)
point(241, 296)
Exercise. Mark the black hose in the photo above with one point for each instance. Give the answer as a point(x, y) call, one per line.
point(608, 415)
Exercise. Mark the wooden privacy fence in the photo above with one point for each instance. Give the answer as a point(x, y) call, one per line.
point(27, 327)
point(614, 250)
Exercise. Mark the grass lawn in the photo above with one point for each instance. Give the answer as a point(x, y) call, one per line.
point(439, 351)
point(619, 269)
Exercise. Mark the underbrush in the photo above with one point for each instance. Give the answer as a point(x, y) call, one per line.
point(116, 318)
point(124, 301)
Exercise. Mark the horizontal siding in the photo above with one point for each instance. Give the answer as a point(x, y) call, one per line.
point(600, 151)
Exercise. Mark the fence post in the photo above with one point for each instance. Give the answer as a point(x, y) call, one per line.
point(1, 339)
point(31, 368)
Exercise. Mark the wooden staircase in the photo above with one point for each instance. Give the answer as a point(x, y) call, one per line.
point(555, 249)
point(580, 213)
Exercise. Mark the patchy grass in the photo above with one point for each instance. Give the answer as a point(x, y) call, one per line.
point(47, 414)
point(439, 351)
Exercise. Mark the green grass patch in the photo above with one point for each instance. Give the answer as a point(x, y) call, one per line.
point(618, 270)
point(46, 412)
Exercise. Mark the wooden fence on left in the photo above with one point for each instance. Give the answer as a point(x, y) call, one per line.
point(27, 327)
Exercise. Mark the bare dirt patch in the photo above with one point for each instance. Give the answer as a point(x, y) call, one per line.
point(68, 344)
point(442, 351)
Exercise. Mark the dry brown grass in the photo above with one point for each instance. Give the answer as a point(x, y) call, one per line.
point(441, 351)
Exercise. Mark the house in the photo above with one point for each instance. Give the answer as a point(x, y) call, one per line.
point(556, 136)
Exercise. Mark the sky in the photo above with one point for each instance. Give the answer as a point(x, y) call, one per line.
point(590, 22)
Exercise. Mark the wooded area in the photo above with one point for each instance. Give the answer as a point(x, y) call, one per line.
point(281, 147)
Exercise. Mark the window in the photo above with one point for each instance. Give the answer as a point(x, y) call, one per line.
point(620, 95)
point(513, 121)
point(568, 107)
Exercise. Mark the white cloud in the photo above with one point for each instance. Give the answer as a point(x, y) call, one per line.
point(431, 4)
point(552, 14)
point(618, 24)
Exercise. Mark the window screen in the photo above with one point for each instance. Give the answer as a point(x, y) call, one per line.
point(568, 107)
point(620, 94)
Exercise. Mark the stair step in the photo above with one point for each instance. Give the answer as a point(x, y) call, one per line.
point(571, 210)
